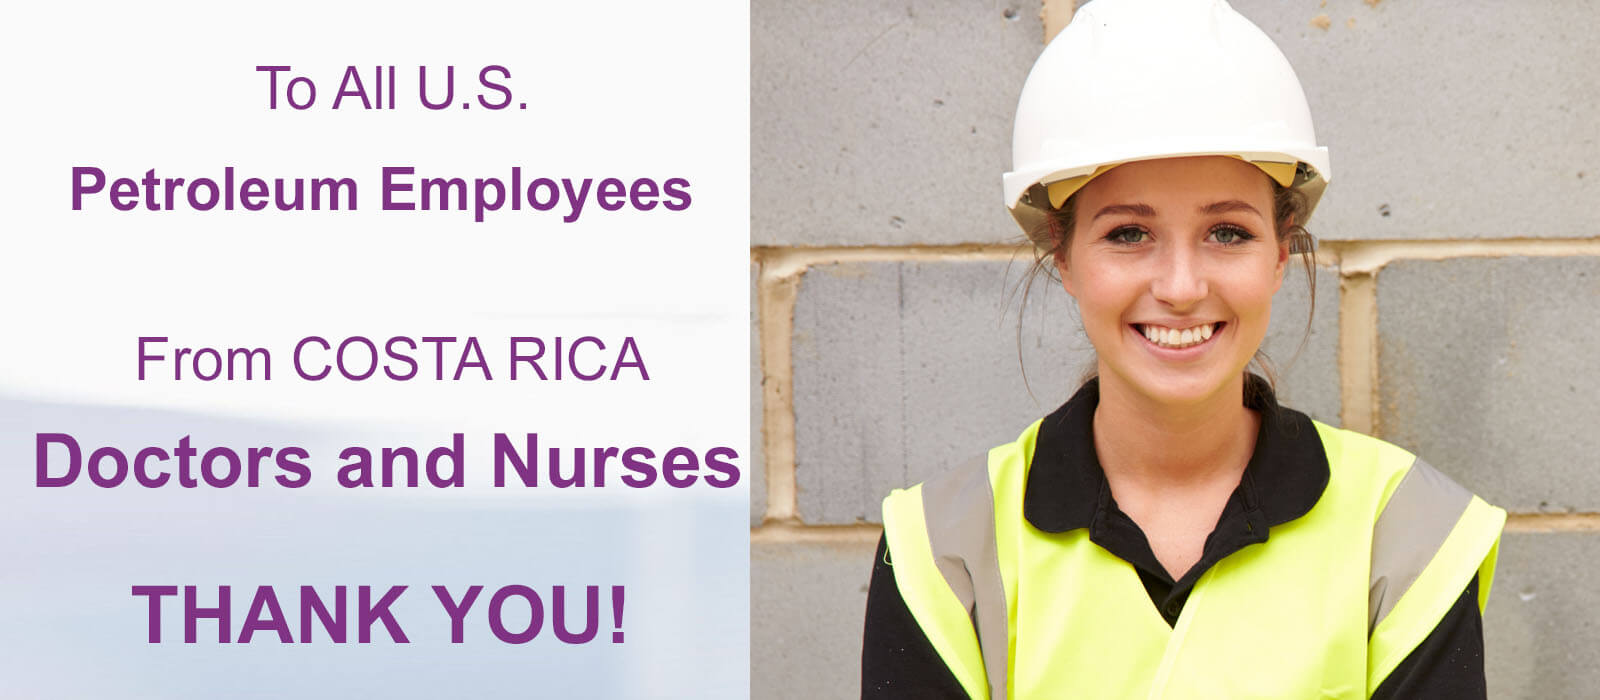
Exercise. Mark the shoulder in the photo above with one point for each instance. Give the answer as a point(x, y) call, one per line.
point(1378, 464)
point(1410, 494)
point(955, 510)
point(1348, 447)
point(975, 474)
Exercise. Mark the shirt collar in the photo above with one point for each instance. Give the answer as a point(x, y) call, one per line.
point(1066, 487)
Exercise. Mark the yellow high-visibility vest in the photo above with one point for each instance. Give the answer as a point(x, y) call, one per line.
point(1327, 607)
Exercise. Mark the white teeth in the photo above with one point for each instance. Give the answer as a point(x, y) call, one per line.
point(1174, 338)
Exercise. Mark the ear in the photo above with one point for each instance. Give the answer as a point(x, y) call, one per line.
point(1061, 271)
point(1283, 257)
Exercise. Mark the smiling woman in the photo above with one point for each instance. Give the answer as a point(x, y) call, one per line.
point(1054, 234)
point(1172, 513)
point(1169, 251)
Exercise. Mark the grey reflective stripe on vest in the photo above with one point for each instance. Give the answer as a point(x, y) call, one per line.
point(959, 509)
point(1411, 529)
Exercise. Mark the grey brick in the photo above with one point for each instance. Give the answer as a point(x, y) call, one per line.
point(1443, 120)
point(903, 370)
point(884, 123)
point(807, 605)
point(1456, 119)
point(1487, 369)
point(758, 460)
point(1541, 636)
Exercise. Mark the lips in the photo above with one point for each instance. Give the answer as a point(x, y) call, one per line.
point(1178, 338)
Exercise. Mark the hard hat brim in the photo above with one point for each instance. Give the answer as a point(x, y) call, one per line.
point(1060, 190)
point(1304, 169)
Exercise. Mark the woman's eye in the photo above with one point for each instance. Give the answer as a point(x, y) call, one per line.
point(1128, 235)
point(1230, 235)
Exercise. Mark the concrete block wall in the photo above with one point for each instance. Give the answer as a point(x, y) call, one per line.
point(1457, 295)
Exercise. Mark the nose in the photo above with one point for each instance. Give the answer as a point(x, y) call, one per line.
point(1179, 280)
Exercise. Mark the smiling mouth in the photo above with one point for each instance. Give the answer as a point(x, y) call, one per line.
point(1178, 338)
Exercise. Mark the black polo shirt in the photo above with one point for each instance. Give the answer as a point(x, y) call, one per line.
point(1067, 490)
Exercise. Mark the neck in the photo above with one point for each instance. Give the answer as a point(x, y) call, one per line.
point(1162, 445)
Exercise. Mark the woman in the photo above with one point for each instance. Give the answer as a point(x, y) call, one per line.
point(1171, 531)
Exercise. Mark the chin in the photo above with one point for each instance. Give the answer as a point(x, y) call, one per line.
point(1178, 386)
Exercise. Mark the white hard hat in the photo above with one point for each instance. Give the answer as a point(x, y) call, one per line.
point(1135, 80)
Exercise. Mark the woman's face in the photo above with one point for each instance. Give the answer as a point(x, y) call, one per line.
point(1174, 263)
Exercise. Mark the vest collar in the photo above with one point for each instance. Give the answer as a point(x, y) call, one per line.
point(1066, 487)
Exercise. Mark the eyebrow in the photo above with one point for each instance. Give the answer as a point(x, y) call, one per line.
point(1134, 209)
point(1222, 207)
point(1230, 205)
